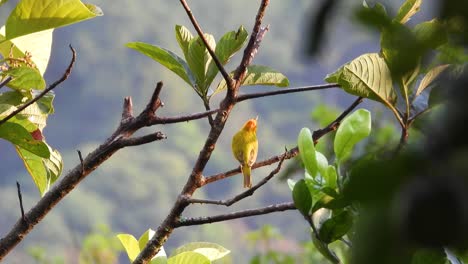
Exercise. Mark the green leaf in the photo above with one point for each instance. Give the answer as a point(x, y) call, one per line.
point(130, 244)
point(431, 34)
point(54, 165)
point(407, 10)
point(36, 113)
point(21, 137)
point(39, 45)
point(25, 78)
point(189, 258)
point(30, 16)
point(307, 151)
point(183, 36)
point(324, 250)
point(40, 168)
point(199, 59)
point(166, 58)
point(332, 177)
point(145, 238)
point(336, 227)
point(211, 251)
point(429, 256)
point(301, 197)
point(44, 171)
point(230, 43)
point(291, 184)
point(161, 257)
point(353, 129)
point(259, 75)
point(227, 46)
point(322, 164)
point(367, 76)
point(430, 77)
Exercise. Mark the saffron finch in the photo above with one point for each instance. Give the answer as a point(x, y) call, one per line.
point(245, 149)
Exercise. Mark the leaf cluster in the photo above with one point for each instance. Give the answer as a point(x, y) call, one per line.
point(25, 47)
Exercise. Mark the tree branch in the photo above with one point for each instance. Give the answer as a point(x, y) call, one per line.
point(252, 46)
point(43, 93)
point(6, 81)
point(235, 215)
point(143, 139)
point(195, 179)
point(244, 194)
point(197, 27)
point(20, 198)
point(244, 97)
point(119, 139)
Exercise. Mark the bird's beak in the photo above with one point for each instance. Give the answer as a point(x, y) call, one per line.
point(256, 118)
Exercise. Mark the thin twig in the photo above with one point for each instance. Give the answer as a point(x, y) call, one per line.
point(244, 194)
point(206, 102)
point(20, 197)
point(253, 44)
point(81, 161)
point(155, 102)
point(243, 97)
point(6, 81)
point(142, 140)
point(235, 215)
point(43, 93)
point(179, 119)
point(197, 27)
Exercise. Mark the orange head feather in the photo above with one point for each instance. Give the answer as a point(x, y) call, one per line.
point(250, 125)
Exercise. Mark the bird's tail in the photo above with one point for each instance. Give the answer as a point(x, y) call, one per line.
point(247, 177)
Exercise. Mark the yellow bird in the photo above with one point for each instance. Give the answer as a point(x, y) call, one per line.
point(245, 148)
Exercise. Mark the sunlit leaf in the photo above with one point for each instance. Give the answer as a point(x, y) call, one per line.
point(353, 129)
point(407, 10)
point(211, 251)
point(291, 184)
point(25, 78)
point(189, 258)
point(430, 77)
point(322, 164)
point(38, 44)
point(130, 244)
point(307, 151)
point(367, 76)
point(30, 16)
point(183, 37)
point(227, 46)
point(259, 75)
point(199, 59)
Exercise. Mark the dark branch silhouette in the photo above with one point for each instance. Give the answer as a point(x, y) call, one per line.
point(20, 198)
point(235, 215)
point(248, 96)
